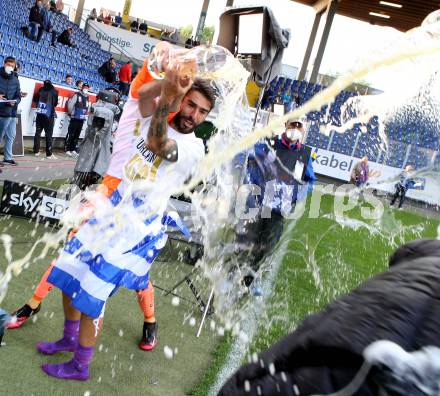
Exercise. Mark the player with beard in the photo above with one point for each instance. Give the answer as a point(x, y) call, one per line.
point(165, 156)
point(140, 104)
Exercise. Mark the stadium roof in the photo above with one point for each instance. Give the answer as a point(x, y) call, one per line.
point(409, 15)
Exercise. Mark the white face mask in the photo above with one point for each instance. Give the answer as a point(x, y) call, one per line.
point(294, 134)
point(85, 91)
point(9, 69)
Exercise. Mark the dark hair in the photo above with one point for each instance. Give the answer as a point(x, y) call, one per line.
point(206, 88)
point(68, 75)
point(78, 82)
point(10, 59)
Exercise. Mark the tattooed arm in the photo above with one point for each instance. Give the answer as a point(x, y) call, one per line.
point(158, 141)
point(173, 87)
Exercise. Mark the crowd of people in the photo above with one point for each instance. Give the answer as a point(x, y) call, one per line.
point(136, 26)
point(39, 23)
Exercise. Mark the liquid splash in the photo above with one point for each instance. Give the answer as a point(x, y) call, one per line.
point(234, 135)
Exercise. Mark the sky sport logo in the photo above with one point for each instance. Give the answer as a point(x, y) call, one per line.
point(50, 207)
point(113, 40)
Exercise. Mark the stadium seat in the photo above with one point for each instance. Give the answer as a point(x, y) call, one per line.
point(41, 61)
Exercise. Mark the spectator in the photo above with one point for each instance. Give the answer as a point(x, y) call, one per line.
point(46, 101)
point(47, 26)
point(36, 19)
point(68, 80)
point(65, 37)
point(118, 19)
point(135, 25)
point(9, 90)
point(101, 16)
point(360, 173)
point(108, 71)
point(406, 181)
point(143, 28)
point(79, 84)
point(125, 74)
point(77, 107)
point(93, 14)
point(59, 6)
point(108, 19)
point(53, 6)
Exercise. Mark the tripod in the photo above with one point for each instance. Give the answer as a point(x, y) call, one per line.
point(192, 256)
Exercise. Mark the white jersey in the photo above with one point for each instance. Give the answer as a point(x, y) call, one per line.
point(132, 161)
point(144, 165)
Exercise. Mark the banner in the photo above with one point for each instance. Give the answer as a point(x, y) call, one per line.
point(382, 177)
point(25, 200)
point(27, 108)
point(135, 45)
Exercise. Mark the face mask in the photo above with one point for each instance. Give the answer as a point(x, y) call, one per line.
point(294, 134)
point(85, 91)
point(9, 69)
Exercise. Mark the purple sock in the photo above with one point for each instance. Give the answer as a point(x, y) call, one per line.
point(75, 369)
point(66, 344)
point(83, 355)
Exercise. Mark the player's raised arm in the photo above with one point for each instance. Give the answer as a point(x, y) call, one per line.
point(173, 87)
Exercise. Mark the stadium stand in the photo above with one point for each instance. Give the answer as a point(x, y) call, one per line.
point(413, 139)
point(40, 60)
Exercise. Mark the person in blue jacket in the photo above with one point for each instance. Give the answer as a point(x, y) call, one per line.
point(271, 165)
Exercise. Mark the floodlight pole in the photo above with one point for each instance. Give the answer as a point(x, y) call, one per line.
point(202, 19)
point(331, 11)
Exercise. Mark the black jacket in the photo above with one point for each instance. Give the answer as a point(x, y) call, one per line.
point(64, 38)
point(10, 89)
point(325, 352)
point(48, 96)
point(108, 73)
point(35, 15)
